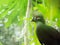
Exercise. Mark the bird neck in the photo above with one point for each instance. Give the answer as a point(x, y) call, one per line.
point(40, 22)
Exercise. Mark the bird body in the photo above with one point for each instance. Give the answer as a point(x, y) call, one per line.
point(46, 34)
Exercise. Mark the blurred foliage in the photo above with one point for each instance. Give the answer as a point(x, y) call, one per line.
point(12, 17)
point(12, 13)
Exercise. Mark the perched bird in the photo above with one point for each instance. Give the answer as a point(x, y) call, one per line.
point(47, 35)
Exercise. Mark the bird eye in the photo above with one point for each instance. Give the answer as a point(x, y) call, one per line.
point(38, 18)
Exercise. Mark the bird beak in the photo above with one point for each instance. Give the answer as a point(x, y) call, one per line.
point(32, 20)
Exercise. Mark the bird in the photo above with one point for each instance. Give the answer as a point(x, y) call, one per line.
point(46, 34)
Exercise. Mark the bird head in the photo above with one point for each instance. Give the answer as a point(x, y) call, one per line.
point(38, 18)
